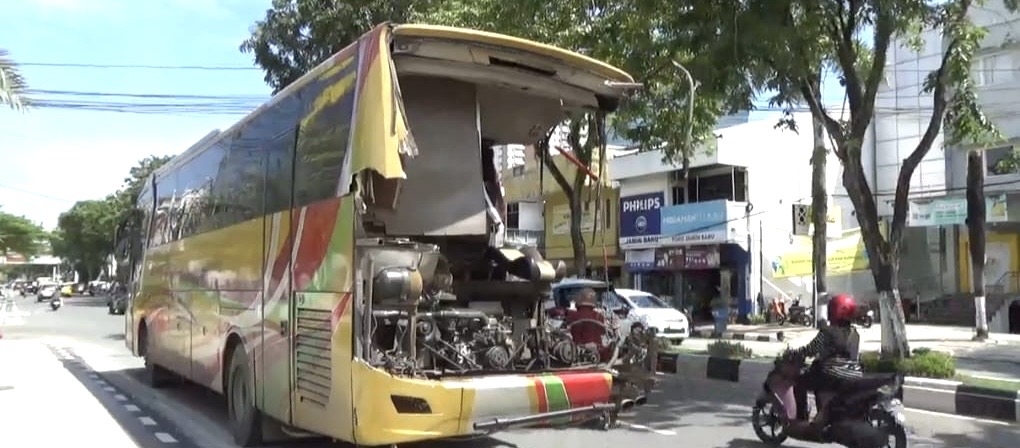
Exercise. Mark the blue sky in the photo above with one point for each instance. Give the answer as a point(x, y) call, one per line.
point(52, 157)
point(49, 157)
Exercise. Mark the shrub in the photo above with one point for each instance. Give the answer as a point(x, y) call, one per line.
point(756, 319)
point(727, 349)
point(924, 363)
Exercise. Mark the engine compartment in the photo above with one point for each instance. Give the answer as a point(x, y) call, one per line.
point(422, 320)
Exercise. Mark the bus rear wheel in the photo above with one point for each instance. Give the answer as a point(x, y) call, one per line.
point(244, 419)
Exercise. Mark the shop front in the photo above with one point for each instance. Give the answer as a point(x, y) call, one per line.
point(686, 253)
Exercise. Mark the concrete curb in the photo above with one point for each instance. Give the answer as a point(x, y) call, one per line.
point(950, 397)
point(778, 336)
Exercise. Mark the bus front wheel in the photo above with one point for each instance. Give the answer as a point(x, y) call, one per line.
point(245, 419)
point(155, 375)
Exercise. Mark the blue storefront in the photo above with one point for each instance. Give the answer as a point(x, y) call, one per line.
point(688, 252)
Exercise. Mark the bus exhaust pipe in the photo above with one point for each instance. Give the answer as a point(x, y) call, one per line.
point(641, 401)
point(626, 405)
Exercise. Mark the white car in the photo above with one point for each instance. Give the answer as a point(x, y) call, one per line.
point(634, 308)
point(652, 312)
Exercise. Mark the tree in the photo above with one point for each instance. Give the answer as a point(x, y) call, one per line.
point(12, 84)
point(297, 35)
point(85, 235)
point(976, 231)
point(18, 234)
point(778, 45)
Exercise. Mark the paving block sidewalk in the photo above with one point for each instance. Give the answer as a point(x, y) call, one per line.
point(42, 404)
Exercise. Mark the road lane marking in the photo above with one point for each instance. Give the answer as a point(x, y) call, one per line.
point(132, 408)
point(165, 438)
point(120, 397)
point(147, 421)
point(661, 432)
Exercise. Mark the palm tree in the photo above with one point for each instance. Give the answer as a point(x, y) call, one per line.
point(12, 84)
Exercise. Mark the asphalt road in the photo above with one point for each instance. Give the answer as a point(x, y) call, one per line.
point(687, 416)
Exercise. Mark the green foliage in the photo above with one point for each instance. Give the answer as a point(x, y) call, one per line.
point(729, 349)
point(12, 84)
point(757, 319)
point(18, 234)
point(85, 233)
point(924, 363)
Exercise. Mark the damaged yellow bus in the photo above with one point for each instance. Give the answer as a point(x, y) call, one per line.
point(334, 263)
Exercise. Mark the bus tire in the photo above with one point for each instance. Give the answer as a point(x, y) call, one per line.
point(155, 375)
point(244, 419)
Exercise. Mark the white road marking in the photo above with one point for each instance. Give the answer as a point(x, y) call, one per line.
point(164, 437)
point(661, 432)
point(147, 421)
point(132, 408)
point(120, 397)
point(109, 389)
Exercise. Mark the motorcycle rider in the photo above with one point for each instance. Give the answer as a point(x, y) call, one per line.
point(835, 349)
point(584, 321)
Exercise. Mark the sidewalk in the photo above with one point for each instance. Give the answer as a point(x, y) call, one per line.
point(997, 358)
point(42, 404)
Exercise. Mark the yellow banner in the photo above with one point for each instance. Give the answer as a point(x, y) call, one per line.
point(561, 219)
point(844, 255)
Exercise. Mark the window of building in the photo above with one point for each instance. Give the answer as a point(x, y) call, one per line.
point(607, 213)
point(513, 215)
point(518, 171)
point(995, 68)
point(1002, 160)
point(679, 195)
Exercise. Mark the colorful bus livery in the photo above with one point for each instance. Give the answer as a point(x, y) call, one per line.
point(334, 263)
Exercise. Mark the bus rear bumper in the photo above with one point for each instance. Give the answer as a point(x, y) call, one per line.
point(604, 410)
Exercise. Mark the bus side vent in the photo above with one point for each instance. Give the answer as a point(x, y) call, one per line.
point(313, 355)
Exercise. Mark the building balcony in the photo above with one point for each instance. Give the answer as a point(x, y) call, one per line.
point(535, 238)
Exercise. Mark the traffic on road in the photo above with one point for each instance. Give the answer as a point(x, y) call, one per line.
point(79, 353)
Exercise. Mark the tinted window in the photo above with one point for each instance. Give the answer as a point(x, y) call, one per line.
point(280, 152)
point(240, 181)
point(647, 301)
point(195, 180)
point(165, 189)
point(323, 136)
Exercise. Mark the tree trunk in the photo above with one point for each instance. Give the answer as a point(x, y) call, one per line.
point(883, 260)
point(819, 215)
point(976, 233)
point(577, 235)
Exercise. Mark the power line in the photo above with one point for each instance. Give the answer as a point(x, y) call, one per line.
point(36, 194)
point(139, 66)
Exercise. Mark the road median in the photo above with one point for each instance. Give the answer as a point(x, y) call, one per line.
point(740, 381)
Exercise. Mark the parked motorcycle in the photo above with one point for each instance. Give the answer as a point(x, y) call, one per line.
point(798, 315)
point(866, 320)
point(56, 302)
point(864, 414)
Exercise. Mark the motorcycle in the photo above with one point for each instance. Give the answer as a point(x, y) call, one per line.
point(56, 302)
point(798, 315)
point(867, 320)
point(862, 414)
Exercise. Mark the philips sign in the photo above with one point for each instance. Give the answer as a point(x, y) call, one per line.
point(637, 204)
point(640, 219)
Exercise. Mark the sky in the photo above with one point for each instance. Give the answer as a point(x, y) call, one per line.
point(53, 156)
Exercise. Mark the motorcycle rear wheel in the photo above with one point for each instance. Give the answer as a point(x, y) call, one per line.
point(897, 434)
point(765, 412)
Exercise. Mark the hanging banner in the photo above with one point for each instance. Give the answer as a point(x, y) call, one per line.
point(844, 255)
point(951, 211)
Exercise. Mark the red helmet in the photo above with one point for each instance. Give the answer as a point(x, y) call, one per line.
point(842, 308)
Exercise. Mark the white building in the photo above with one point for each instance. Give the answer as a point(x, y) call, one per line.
point(730, 225)
point(936, 260)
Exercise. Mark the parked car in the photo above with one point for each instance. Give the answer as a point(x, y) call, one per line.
point(636, 309)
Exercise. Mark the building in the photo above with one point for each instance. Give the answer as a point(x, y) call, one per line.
point(538, 214)
point(936, 265)
point(728, 227)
